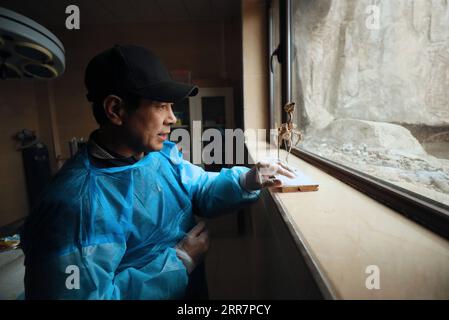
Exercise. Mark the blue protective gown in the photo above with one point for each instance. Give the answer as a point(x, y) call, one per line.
point(117, 227)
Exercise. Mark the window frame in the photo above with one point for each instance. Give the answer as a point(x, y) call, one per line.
point(424, 211)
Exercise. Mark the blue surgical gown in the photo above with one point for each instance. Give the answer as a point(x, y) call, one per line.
point(109, 233)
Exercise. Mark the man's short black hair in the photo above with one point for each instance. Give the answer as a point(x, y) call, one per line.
point(130, 102)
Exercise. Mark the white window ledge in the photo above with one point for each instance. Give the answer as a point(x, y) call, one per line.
point(343, 232)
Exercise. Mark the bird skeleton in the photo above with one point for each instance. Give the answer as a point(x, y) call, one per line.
point(287, 130)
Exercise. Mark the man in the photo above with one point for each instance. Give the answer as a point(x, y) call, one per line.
point(117, 220)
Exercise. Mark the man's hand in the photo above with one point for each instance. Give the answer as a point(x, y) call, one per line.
point(193, 247)
point(263, 175)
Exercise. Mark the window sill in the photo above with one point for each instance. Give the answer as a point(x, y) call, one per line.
point(341, 231)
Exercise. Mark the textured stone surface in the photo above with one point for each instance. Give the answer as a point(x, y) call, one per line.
point(345, 133)
point(396, 73)
point(353, 78)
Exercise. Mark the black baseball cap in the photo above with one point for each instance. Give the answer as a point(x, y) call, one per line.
point(127, 70)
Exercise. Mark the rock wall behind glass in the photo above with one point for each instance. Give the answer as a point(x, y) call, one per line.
point(398, 72)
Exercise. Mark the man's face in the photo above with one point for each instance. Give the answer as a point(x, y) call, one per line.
point(149, 125)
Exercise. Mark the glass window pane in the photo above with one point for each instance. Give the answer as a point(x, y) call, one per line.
point(371, 81)
point(277, 68)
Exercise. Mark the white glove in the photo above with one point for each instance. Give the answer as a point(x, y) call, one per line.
point(186, 259)
point(263, 175)
point(192, 249)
